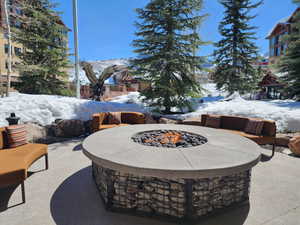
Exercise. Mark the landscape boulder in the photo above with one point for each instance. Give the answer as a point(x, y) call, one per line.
point(283, 140)
point(69, 128)
point(35, 133)
point(294, 145)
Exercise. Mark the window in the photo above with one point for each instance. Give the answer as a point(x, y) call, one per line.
point(19, 12)
point(18, 51)
point(12, 22)
point(272, 42)
point(276, 40)
point(271, 52)
point(276, 51)
point(6, 48)
point(282, 49)
point(18, 24)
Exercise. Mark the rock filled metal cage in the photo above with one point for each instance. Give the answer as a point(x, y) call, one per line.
point(177, 183)
point(179, 198)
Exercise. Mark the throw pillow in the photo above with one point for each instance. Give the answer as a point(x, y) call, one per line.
point(254, 127)
point(213, 121)
point(114, 118)
point(17, 135)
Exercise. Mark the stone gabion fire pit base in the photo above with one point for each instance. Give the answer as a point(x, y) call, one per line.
point(178, 198)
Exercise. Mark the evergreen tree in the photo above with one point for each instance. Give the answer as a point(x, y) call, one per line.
point(45, 56)
point(290, 63)
point(236, 51)
point(166, 52)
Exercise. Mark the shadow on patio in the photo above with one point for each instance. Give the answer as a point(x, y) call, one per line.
point(76, 201)
point(7, 192)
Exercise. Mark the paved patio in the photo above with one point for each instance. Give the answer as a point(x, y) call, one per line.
point(66, 195)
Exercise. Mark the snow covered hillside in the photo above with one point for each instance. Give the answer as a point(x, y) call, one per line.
point(98, 66)
point(45, 109)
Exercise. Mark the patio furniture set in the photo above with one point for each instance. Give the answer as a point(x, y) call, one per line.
point(174, 171)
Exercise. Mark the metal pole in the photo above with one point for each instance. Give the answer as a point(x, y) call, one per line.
point(9, 61)
point(75, 24)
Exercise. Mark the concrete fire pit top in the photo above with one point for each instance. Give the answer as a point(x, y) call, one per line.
point(224, 153)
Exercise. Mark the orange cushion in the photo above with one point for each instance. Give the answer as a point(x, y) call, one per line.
point(16, 135)
point(14, 162)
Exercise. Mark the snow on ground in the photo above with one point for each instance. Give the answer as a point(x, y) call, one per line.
point(45, 109)
point(210, 90)
point(132, 97)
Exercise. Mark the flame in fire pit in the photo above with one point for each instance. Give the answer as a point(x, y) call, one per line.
point(170, 137)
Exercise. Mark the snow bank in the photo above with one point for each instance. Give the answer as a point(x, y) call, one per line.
point(132, 97)
point(44, 109)
point(210, 90)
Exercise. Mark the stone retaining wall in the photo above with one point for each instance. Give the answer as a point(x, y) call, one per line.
point(178, 198)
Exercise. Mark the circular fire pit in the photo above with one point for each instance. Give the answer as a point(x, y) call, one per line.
point(169, 139)
point(143, 169)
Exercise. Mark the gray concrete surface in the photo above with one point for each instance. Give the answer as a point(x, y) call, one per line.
point(66, 195)
point(224, 154)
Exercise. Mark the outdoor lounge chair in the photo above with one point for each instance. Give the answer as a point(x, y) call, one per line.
point(14, 162)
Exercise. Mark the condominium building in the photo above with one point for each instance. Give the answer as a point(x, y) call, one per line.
point(277, 44)
point(15, 12)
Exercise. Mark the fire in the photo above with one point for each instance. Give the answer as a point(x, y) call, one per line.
point(167, 138)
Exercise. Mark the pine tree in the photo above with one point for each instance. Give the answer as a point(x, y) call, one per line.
point(236, 51)
point(45, 56)
point(290, 63)
point(165, 46)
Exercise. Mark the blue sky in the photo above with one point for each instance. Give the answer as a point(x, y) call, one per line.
point(106, 27)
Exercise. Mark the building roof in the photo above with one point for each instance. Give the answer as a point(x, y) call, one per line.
point(270, 79)
point(282, 21)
